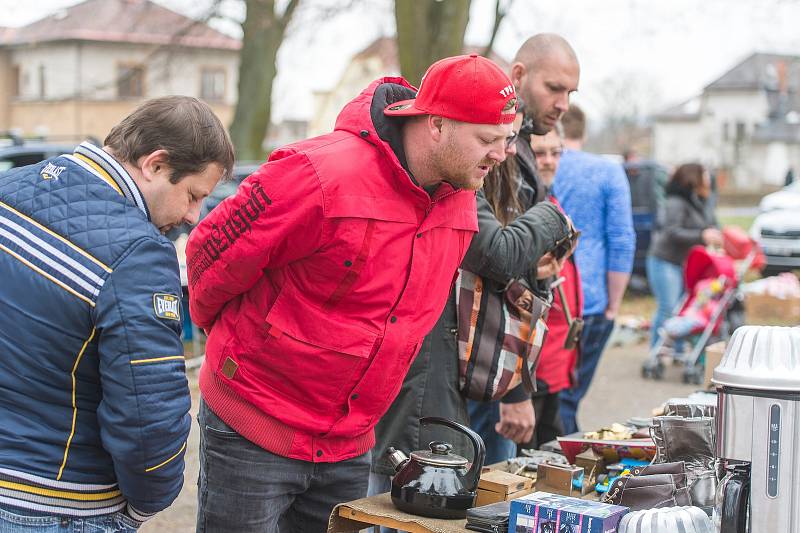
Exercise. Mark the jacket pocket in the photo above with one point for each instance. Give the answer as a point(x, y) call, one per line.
point(310, 358)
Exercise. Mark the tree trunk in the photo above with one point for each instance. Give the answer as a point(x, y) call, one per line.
point(428, 30)
point(263, 34)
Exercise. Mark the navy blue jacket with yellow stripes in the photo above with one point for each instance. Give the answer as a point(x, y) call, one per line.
point(94, 399)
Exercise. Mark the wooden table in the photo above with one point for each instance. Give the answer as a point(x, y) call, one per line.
point(379, 511)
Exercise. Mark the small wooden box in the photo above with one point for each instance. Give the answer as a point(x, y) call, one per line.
point(557, 478)
point(498, 486)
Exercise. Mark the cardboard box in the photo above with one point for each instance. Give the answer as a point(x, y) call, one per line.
point(559, 478)
point(592, 464)
point(498, 486)
point(714, 354)
point(766, 309)
point(542, 512)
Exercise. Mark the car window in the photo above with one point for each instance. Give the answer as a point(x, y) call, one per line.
point(21, 160)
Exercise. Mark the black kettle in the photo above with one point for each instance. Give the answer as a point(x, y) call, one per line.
point(435, 482)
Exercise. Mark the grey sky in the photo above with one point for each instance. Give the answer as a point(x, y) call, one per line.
point(668, 50)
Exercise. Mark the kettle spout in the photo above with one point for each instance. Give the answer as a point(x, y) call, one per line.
point(398, 458)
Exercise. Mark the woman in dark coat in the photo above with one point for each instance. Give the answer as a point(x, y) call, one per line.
point(683, 221)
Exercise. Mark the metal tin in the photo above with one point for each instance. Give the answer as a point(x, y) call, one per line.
point(761, 358)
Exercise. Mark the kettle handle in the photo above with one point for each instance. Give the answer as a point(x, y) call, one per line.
point(474, 474)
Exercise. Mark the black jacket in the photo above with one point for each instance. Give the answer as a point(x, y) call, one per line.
point(679, 226)
point(430, 388)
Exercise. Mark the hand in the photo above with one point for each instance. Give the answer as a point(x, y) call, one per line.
point(548, 266)
point(712, 237)
point(611, 314)
point(517, 421)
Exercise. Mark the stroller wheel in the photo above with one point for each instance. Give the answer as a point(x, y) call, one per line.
point(653, 370)
point(693, 375)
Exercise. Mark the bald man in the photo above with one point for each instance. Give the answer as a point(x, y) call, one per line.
point(545, 72)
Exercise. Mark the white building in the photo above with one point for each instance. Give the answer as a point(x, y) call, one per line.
point(80, 70)
point(746, 124)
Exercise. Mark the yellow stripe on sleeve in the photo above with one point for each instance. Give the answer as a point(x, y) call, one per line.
point(157, 359)
point(168, 460)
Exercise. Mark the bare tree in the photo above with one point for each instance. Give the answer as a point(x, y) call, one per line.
point(263, 32)
point(428, 30)
point(499, 14)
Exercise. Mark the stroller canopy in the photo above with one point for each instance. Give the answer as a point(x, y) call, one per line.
point(702, 264)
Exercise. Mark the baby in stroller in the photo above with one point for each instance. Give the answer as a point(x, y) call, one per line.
point(698, 311)
point(709, 309)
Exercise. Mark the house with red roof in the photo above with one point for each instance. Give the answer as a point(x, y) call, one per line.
point(78, 71)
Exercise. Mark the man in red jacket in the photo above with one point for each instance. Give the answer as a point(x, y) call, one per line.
point(317, 283)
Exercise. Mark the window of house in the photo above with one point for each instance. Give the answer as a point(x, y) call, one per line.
point(212, 84)
point(130, 81)
point(725, 131)
point(42, 83)
point(15, 81)
point(741, 131)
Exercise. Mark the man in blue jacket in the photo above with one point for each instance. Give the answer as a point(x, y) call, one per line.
point(595, 193)
point(94, 402)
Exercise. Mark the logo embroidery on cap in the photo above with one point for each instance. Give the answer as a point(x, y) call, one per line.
point(508, 90)
point(51, 171)
point(511, 105)
point(167, 306)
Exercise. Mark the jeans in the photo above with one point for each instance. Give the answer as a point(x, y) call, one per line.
point(666, 282)
point(14, 520)
point(378, 484)
point(244, 488)
point(482, 418)
point(596, 331)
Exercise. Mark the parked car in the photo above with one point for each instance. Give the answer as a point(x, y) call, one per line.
point(786, 198)
point(778, 233)
point(18, 152)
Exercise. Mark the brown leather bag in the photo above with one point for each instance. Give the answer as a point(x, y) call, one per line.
point(657, 485)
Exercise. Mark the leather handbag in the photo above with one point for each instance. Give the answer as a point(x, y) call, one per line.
point(647, 492)
point(492, 518)
point(501, 330)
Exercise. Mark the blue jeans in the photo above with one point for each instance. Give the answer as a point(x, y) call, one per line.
point(596, 331)
point(14, 520)
point(243, 487)
point(378, 484)
point(666, 282)
point(482, 418)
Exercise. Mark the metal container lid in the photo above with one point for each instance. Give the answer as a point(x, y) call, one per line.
point(439, 455)
point(761, 358)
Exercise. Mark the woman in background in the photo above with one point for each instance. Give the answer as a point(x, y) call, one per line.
point(683, 221)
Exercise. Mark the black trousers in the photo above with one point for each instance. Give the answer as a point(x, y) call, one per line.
point(547, 408)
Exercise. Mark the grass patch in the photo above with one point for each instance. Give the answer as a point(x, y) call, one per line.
point(743, 222)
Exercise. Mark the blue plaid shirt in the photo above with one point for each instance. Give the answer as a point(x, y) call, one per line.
point(594, 192)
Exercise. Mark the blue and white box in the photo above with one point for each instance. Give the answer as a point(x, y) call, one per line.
point(542, 512)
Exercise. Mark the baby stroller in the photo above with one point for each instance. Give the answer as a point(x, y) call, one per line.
point(710, 309)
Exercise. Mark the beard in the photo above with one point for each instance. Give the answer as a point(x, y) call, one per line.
point(454, 169)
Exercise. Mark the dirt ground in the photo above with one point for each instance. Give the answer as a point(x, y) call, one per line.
point(617, 393)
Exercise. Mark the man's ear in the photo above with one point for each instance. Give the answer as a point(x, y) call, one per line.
point(435, 124)
point(518, 72)
point(154, 165)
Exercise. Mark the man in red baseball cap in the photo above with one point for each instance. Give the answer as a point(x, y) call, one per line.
point(317, 283)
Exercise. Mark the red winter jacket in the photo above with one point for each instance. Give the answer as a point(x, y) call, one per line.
point(557, 365)
point(318, 282)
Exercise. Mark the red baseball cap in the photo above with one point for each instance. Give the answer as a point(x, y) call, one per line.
point(467, 88)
